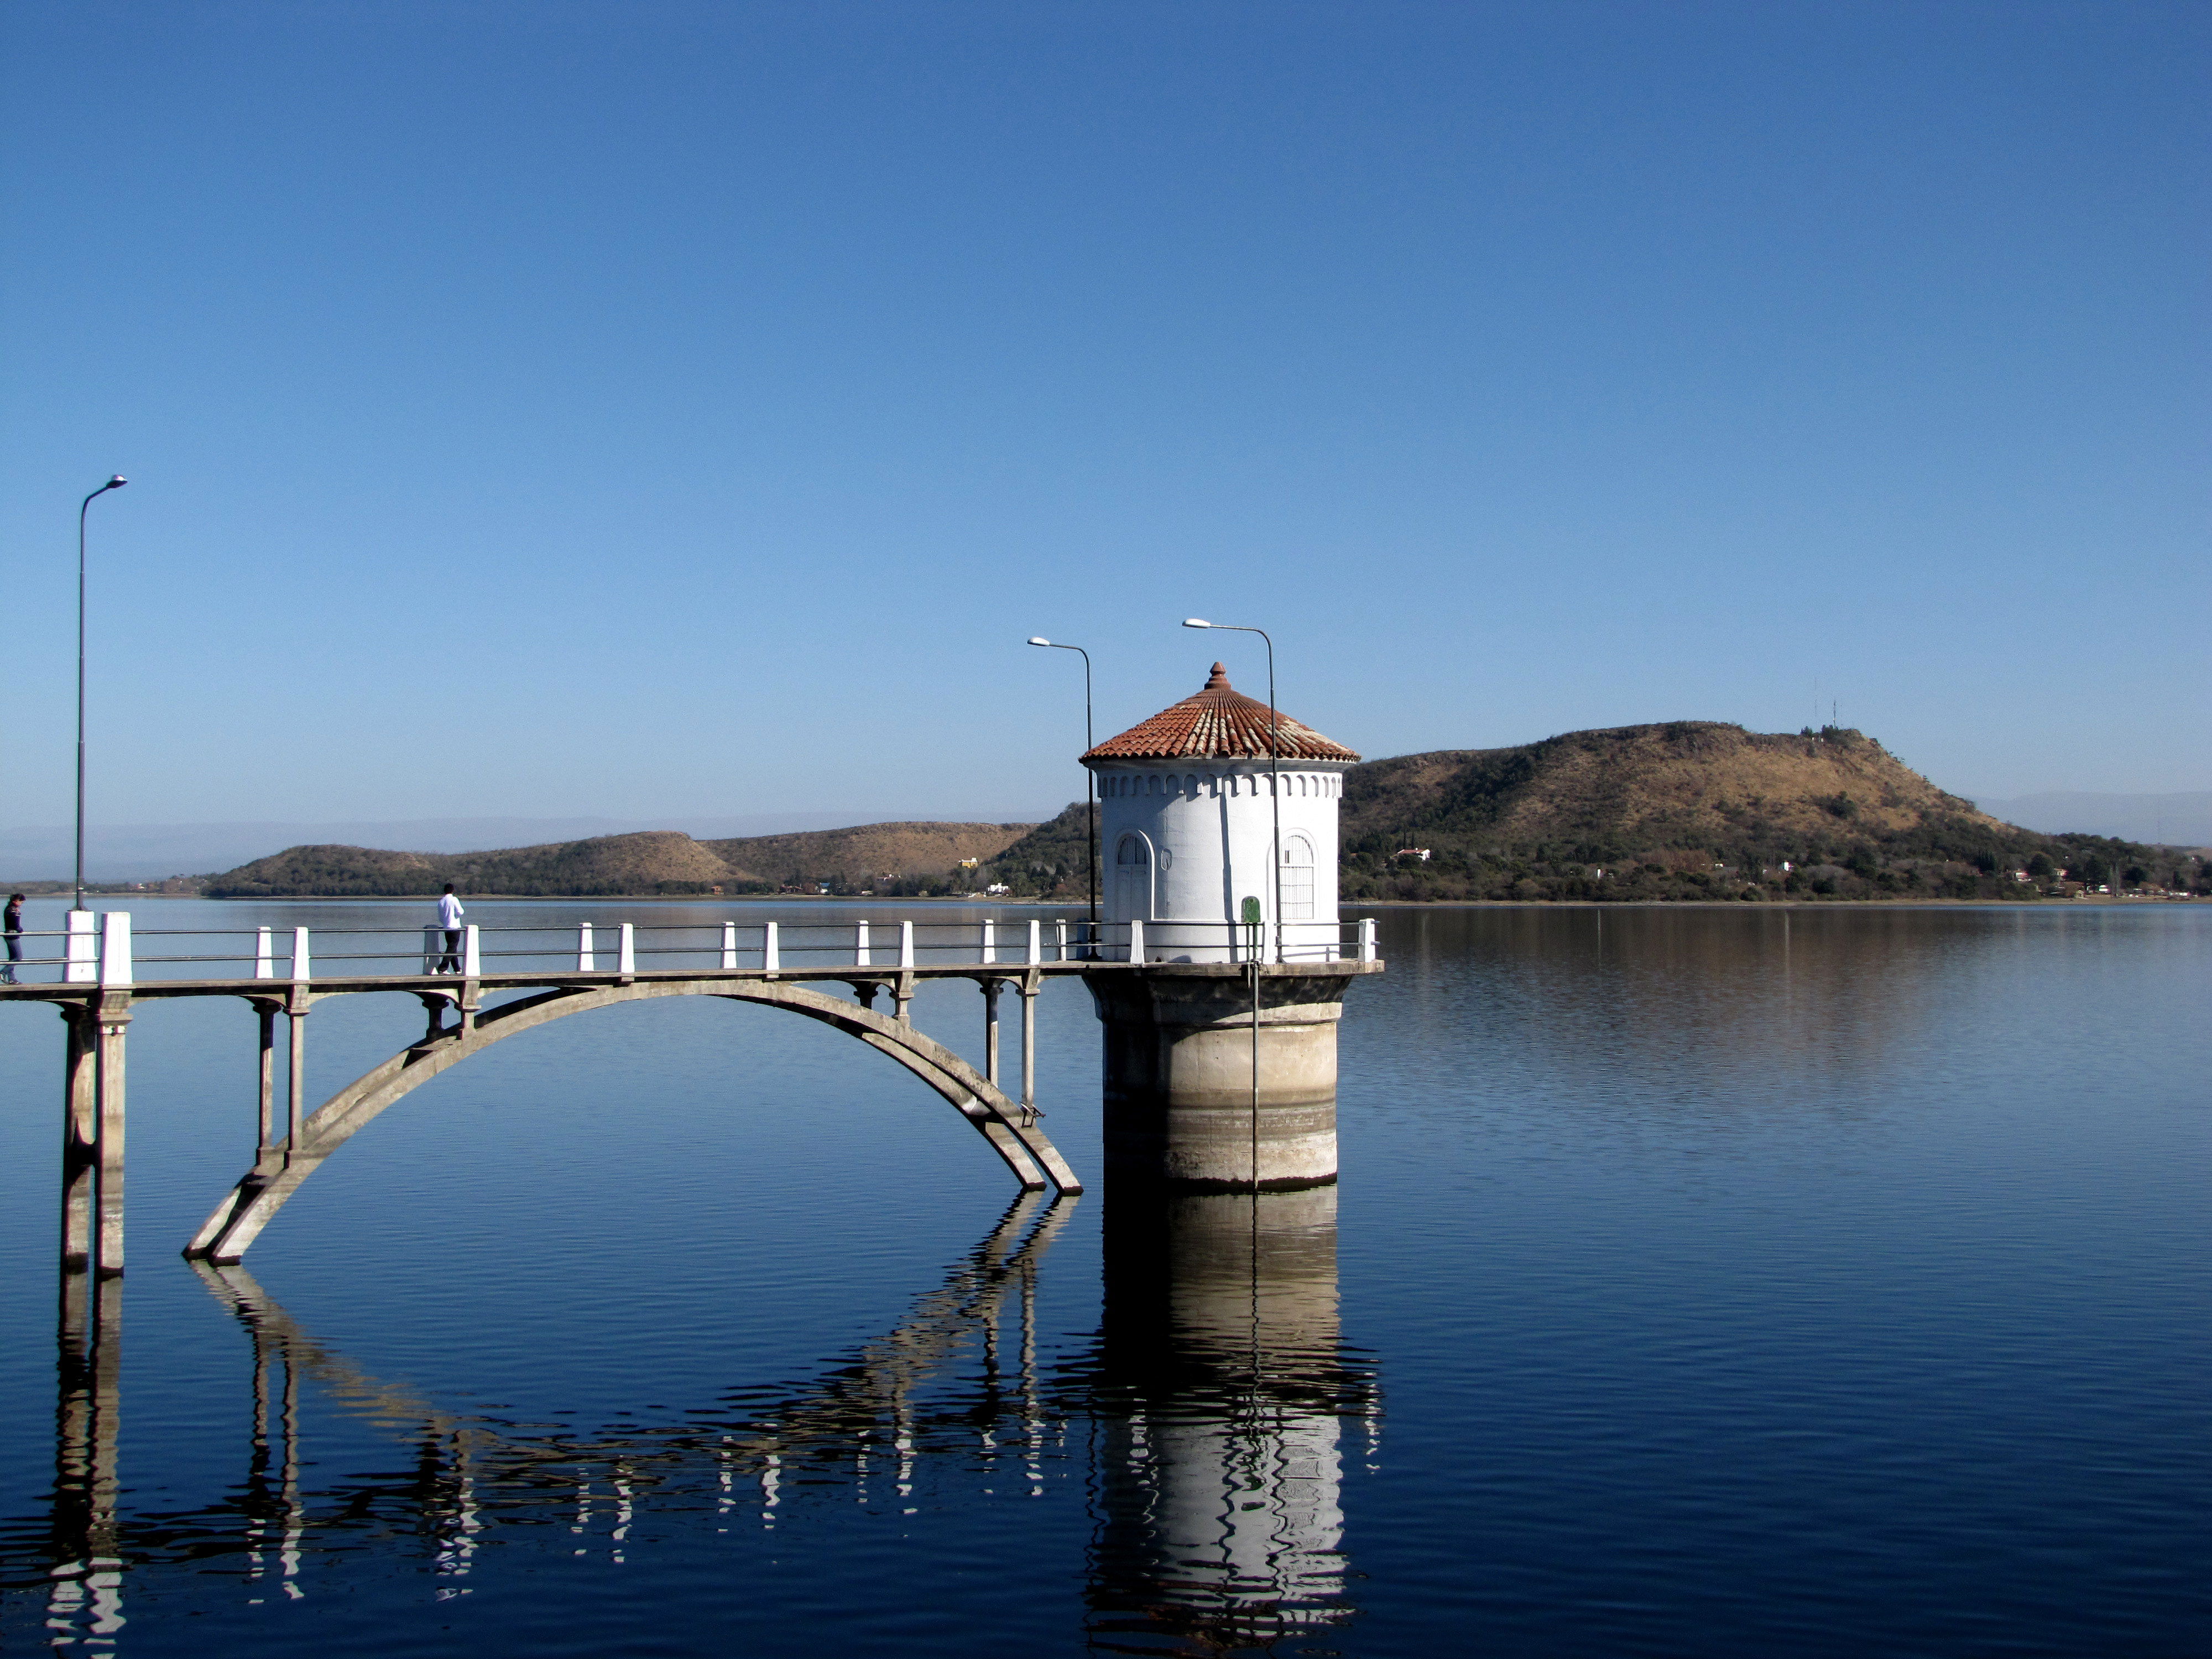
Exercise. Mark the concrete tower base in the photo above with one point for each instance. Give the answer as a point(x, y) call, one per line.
point(1180, 1104)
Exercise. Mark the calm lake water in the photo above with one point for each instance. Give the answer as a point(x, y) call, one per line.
point(1701, 1281)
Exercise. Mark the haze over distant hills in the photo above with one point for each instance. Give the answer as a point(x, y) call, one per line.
point(2177, 820)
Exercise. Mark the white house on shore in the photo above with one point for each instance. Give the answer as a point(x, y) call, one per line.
point(1187, 823)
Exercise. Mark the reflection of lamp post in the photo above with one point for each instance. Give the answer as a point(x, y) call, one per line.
point(1090, 784)
point(1275, 762)
point(115, 483)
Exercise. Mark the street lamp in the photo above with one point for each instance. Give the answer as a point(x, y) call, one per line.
point(1091, 785)
point(115, 483)
point(1274, 761)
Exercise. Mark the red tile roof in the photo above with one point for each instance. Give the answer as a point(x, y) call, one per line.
point(1218, 723)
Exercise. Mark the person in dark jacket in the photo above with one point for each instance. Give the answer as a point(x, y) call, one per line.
point(11, 924)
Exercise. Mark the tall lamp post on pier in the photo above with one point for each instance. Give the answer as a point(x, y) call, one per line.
point(1274, 760)
point(1090, 778)
point(115, 483)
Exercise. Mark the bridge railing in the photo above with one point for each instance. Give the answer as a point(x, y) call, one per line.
point(1351, 939)
point(91, 949)
point(103, 948)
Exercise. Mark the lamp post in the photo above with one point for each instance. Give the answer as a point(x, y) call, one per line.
point(1274, 761)
point(1091, 783)
point(115, 483)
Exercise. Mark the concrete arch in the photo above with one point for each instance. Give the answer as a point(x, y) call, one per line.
point(1012, 1131)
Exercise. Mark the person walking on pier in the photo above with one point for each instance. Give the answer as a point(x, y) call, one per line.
point(449, 919)
point(11, 923)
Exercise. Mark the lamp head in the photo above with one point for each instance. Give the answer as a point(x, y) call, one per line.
point(1039, 639)
point(116, 483)
point(1196, 621)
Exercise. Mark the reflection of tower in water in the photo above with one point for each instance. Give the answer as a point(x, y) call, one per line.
point(1216, 1393)
point(1218, 1396)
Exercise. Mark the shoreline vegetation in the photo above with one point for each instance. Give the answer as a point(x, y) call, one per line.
point(1687, 812)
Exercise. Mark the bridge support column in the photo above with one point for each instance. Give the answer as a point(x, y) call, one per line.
point(1200, 1093)
point(114, 1020)
point(1029, 988)
point(991, 1030)
point(295, 1088)
point(267, 1011)
point(80, 1136)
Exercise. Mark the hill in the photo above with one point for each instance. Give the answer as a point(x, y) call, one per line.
point(918, 858)
point(649, 862)
point(1689, 808)
point(1696, 809)
point(890, 857)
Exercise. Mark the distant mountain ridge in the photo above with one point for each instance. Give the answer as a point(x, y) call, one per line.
point(136, 852)
point(1679, 810)
point(645, 862)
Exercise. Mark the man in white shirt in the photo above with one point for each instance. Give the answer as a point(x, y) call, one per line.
point(449, 918)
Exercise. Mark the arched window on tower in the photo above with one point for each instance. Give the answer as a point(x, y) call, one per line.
point(1133, 879)
point(1297, 879)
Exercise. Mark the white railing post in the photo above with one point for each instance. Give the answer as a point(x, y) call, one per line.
point(1036, 942)
point(264, 958)
point(472, 958)
point(990, 943)
point(729, 947)
point(115, 948)
point(1367, 938)
point(1060, 932)
point(1136, 940)
point(771, 957)
point(906, 945)
point(81, 949)
point(434, 939)
point(861, 947)
point(303, 967)
point(626, 955)
point(586, 958)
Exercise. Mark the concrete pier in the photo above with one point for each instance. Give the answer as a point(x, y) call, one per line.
point(1202, 1094)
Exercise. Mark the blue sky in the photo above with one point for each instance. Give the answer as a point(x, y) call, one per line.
point(688, 409)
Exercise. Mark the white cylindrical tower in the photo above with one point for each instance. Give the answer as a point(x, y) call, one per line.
point(1191, 803)
point(1221, 1051)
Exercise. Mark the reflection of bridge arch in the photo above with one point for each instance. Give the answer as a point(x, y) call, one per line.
point(1210, 1416)
point(1010, 1129)
point(466, 1467)
point(877, 1387)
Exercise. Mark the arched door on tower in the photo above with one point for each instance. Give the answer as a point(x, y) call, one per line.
point(1297, 879)
point(1133, 879)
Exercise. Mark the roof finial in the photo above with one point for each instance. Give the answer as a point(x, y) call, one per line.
point(1218, 682)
